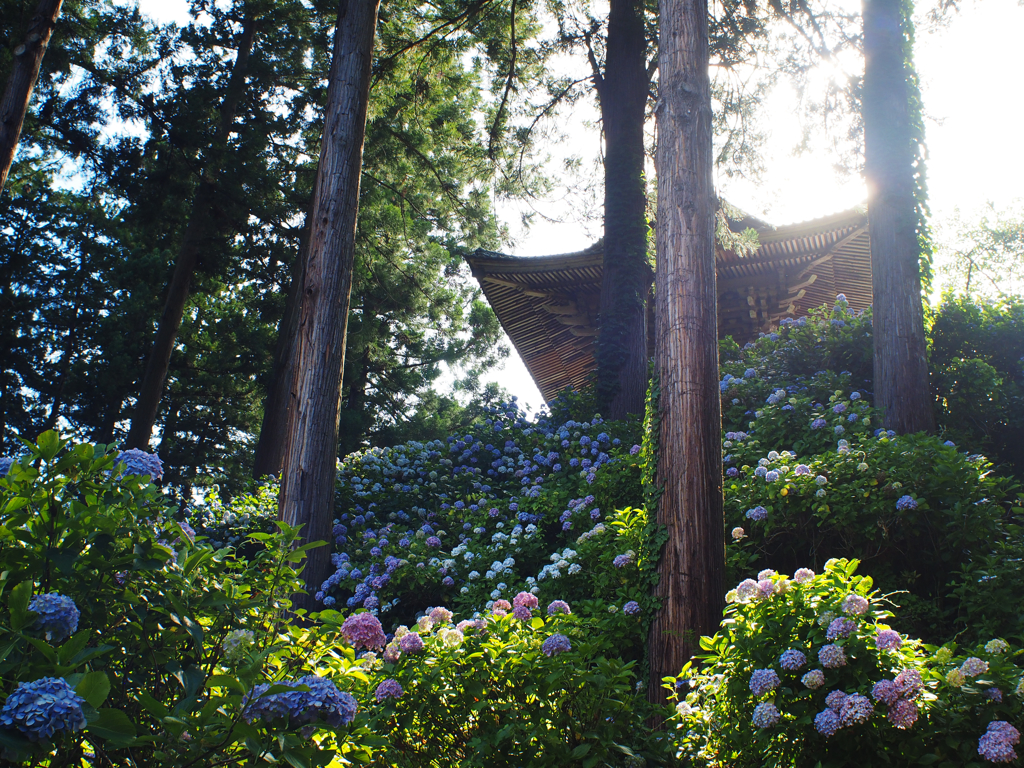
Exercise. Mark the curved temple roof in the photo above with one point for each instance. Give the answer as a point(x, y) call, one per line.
point(548, 305)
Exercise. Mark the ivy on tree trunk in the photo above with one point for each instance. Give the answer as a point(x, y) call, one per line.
point(890, 164)
point(690, 584)
point(309, 473)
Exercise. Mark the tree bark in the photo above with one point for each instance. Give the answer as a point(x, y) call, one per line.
point(270, 448)
point(692, 561)
point(622, 92)
point(309, 473)
point(901, 365)
point(198, 230)
point(28, 57)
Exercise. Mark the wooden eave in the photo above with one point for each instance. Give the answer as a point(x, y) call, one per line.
point(548, 305)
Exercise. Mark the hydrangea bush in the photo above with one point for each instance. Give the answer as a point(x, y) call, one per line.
point(805, 671)
point(127, 635)
point(510, 505)
point(124, 640)
point(547, 687)
point(810, 671)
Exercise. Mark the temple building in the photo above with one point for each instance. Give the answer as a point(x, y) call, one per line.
point(548, 305)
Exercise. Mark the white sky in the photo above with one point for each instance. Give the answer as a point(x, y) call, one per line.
point(968, 71)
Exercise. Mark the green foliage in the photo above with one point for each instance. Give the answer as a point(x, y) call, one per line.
point(489, 696)
point(150, 655)
point(977, 364)
point(715, 717)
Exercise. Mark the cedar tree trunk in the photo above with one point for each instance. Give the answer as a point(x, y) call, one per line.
point(309, 473)
point(199, 229)
point(622, 335)
point(24, 72)
point(692, 562)
point(901, 364)
point(274, 429)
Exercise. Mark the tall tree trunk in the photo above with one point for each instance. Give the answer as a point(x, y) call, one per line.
point(901, 364)
point(692, 562)
point(270, 448)
point(622, 338)
point(28, 57)
point(309, 473)
point(198, 230)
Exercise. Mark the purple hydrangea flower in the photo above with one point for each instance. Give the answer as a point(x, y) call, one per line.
point(909, 683)
point(58, 615)
point(855, 604)
point(834, 700)
point(994, 694)
point(771, 476)
point(792, 660)
point(632, 608)
point(634, 450)
point(388, 689)
point(558, 606)
point(885, 691)
point(766, 715)
point(803, 575)
point(832, 656)
point(855, 709)
point(526, 600)
point(621, 561)
point(440, 615)
point(813, 679)
point(827, 723)
point(433, 542)
point(42, 709)
point(840, 628)
point(818, 424)
point(411, 643)
point(903, 714)
point(996, 744)
point(363, 630)
point(746, 589)
point(974, 666)
point(556, 644)
point(764, 681)
point(522, 613)
point(888, 640)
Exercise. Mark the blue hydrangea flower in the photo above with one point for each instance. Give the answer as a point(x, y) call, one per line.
point(632, 608)
point(764, 681)
point(6, 462)
point(757, 513)
point(766, 715)
point(43, 708)
point(141, 463)
point(58, 615)
point(906, 502)
point(322, 702)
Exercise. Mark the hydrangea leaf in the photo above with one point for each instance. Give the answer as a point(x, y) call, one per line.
point(94, 687)
point(114, 726)
point(17, 603)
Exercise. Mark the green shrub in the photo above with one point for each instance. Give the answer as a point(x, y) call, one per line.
point(809, 672)
point(161, 639)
